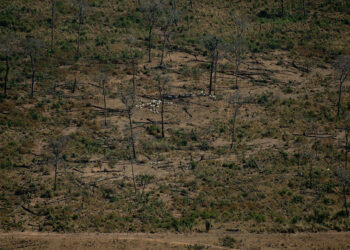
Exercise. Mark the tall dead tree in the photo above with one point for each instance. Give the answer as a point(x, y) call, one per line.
point(57, 146)
point(238, 47)
point(7, 46)
point(127, 96)
point(211, 44)
point(163, 81)
point(342, 65)
point(174, 11)
point(53, 5)
point(166, 21)
point(80, 21)
point(152, 10)
point(32, 47)
point(134, 55)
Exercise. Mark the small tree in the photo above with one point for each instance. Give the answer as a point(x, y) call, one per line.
point(152, 10)
point(7, 46)
point(57, 146)
point(163, 81)
point(344, 180)
point(342, 65)
point(33, 48)
point(211, 44)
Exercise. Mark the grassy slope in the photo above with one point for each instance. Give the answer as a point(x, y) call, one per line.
point(260, 185)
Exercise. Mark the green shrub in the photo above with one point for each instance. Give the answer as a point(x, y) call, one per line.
point(228, 241)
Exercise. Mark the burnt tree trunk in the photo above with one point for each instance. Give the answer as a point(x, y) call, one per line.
point(165, 37)
point(56, 171)
point(340, 94)
point(52, 22)
point(104, 102)
point(211, 74)
point(233, 132)
point(150, 43)
point(32, 62)
point(6, 74)
point(132, 135)
point(162, 116)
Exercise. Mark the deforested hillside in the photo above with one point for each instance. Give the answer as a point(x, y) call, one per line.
point(181, 116)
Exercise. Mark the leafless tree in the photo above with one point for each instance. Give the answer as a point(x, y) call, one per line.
point(7, 47)
point(342, 65)
point(53, 5)
point(163, 81)
point(167, 20)
point(174, 11)
point(80, 21)
point(57, 146)
point(236, 102)
point(151, 11)
point(127, 96)
point(133, 50)
point(191, 4)
point(33, 48)
point(211, 44)
point(237, 47)
point(344, 180)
